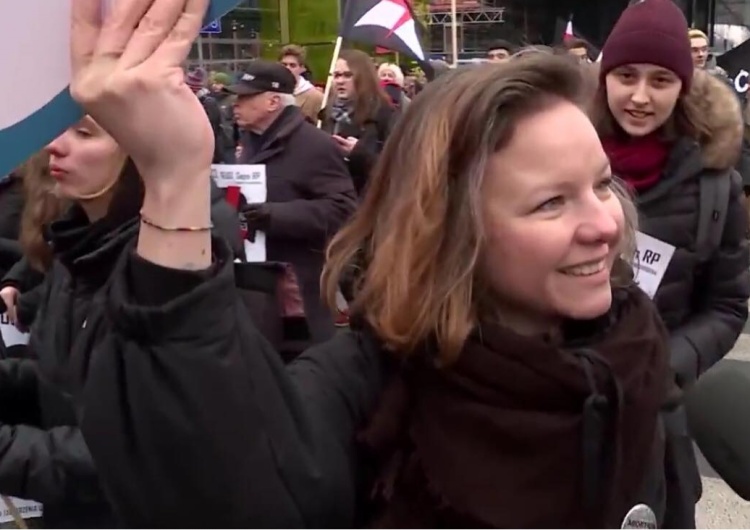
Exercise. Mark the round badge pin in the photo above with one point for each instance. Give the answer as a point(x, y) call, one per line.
point(639, 516)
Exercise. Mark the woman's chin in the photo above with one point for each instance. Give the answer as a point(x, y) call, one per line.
point(588, 307)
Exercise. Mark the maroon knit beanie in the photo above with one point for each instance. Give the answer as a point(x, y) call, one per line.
point(650, 32)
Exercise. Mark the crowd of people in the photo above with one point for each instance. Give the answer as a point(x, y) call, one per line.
point(475, 241)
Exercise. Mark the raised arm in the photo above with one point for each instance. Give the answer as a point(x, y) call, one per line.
point(191, 417)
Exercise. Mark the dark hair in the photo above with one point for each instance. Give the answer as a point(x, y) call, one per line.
point(501, 44)
point(128, 194)
point(370, 96)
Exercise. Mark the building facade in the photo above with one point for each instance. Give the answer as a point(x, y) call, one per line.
point(259, 28)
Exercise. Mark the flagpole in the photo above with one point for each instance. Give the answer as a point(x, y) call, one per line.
point(454, 32)
point(329, 81)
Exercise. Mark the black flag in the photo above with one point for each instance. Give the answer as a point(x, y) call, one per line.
point(389, 24)
point(736, 63)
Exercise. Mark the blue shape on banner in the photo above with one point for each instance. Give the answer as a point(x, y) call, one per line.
point(214, 28)
point(21, 140)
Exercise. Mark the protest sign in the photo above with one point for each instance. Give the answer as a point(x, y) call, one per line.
point(35, 60)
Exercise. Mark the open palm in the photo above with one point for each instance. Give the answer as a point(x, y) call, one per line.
point(127, 74)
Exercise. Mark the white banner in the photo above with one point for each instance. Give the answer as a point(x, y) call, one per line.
point(35, 55)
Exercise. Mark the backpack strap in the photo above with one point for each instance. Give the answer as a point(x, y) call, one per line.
point(712, 213)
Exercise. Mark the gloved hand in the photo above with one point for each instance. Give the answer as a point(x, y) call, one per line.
point(257, 217)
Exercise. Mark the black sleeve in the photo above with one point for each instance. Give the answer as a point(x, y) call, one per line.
point(19, 392)
point(711, 333)
point(331, 198)
point(51, 466)
point(28, 305)
point(10, 253)
point(11, 208)
point(195, 421)
point(22, 276)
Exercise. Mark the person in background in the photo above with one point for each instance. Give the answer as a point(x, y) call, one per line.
point(197, 80)
point(361, 114)
point(392, 81)
point(219, 81)
point(41, 207)
point(307, 97)
point(11, 203)
point(500, 51)
point(310, 193)
point(698, 48)
point(578, 48)
point(672, 132)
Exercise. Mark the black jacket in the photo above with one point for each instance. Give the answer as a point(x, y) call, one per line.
point(43, 455)
point(11, 207)
point(310, 196)
point(372, 135)
point(704, 306)
point(263, 445)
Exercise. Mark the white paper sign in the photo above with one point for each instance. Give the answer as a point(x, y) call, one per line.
point(251, 179)
point(35, 55)
point(11, 335)
point(27, 509)
point(652, 258)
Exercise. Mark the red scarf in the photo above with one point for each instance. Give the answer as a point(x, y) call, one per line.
point(639, 161)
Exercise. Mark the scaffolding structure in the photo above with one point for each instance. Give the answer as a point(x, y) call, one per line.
point(475, 19)
point(482, 15)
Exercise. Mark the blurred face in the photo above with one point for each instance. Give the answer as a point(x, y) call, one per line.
point(387, 74)
point(293, 65)
point(498, 56)
point(343, 80)
point(699, 48)
point(255, 113)
point(553, 224)
point(84, 160)
point(579, 53)
point(642, 97)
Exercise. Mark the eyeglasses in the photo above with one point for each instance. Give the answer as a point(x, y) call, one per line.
point(345, 75)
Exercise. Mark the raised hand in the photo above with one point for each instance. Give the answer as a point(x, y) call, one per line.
point(127, 74)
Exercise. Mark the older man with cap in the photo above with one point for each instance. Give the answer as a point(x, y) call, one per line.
point(310, 192)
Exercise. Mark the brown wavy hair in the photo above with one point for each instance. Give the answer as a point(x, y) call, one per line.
point(418, 235)
point(370, 96)
point(41, 207)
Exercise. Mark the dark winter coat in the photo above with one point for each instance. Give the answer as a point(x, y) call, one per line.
point(372, 135)
point(310, 196)
point(704, 305)
point(265, 445)
point(43, 455)
point(11, 206)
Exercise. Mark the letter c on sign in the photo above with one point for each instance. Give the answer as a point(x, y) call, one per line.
point(741, 82)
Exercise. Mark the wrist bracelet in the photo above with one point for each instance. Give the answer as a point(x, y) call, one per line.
point(150, 222)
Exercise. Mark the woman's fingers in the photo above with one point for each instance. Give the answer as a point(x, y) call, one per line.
point(119, 26)
point(153, 29)
point(175, 48)
point(85, 24)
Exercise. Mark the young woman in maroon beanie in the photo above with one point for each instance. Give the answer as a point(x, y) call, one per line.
point(666, 130)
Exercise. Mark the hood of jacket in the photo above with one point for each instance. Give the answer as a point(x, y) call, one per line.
point(711, 105)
